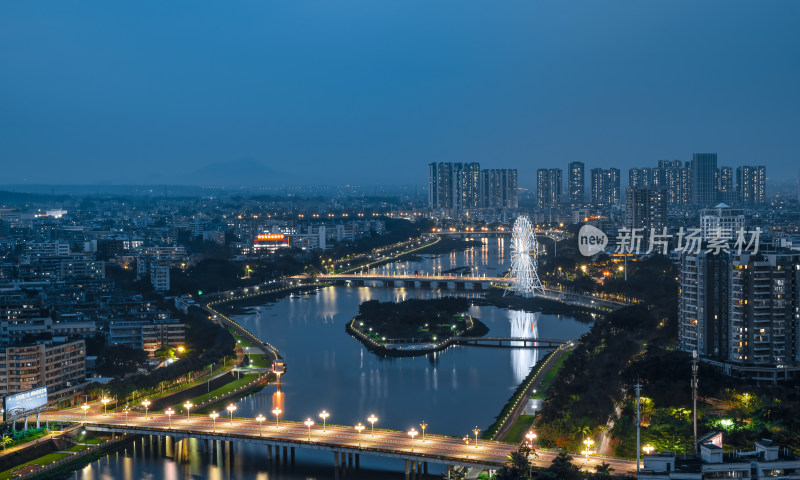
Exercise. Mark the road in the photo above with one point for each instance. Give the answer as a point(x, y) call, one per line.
point(435, 448)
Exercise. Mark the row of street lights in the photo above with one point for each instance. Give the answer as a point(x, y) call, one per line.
point(372, 419)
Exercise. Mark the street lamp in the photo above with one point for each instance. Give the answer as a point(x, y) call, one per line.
point(324, 416)
point(277, 413)
point(466, 442)
point(531, 437)
point(588, 442)
point(85, 408)
point(126, 415)
point(372, 419)
point(188, 406)
point(146, 404)
point(214, 416)
point(412, 433)
point(170, 412)
point(105, 406)
point(476, 431)
point(423, 426)
point(308, 423)
point(231, 408)
point(260, 419)
point(359, 428)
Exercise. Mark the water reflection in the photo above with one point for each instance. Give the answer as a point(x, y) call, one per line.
point(523, 325)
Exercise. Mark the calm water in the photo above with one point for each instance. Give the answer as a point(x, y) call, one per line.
point(453, 391)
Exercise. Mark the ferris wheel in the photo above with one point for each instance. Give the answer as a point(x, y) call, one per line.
point(523, 278)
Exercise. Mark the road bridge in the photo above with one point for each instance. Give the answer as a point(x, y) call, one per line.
point(466, 283)
point(510, 342)
point(345, 442)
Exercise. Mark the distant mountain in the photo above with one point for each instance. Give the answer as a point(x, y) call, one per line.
point(244, 171)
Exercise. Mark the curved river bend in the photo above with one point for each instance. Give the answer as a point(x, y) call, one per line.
point(452, 391)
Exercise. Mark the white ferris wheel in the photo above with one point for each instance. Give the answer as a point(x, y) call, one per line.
point(523, 278)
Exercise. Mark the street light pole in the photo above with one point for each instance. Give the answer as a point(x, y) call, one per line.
point(638, 424)
point(308, 423)
point(359, 428)
point(169, 413)
point(372, 419)
point(694, 395)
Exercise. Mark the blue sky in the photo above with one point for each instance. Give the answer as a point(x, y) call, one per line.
point(371, 91)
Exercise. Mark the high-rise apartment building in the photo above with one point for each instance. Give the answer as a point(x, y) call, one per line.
point(440, 186)
point(643, 178)
point(463, 187)
point(576, 184)
point(605, 186)
point(645, 208)
point(741, 312)
point(467, 186)
point(751, 184)
point(725, 193)
point(704, 178)
point(499, 188)
point(548, 187)
point(703, 304)
point(674, 177)
point(61, 367)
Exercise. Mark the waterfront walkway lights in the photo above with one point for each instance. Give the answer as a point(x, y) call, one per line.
point(260, 419)
point(188, 406)
point(372, 419)
point(105, 405)
point(476, 431)
point(146, 404)
point(170, 412)
point(423, 426)
point(412, 433)
point(126, 415)
point(85, 408)
point(214, 416)
point(324, 416)
point(231, 408)
point(277, 412)
point(308, 423)
point(588, 442)
point(359, 428)
point(466, 443)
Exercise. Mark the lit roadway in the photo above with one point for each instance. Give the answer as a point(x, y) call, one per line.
point(386, 443)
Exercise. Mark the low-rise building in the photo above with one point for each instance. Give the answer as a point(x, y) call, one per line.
point(767, 461)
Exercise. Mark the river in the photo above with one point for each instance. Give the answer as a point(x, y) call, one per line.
point(452, 391)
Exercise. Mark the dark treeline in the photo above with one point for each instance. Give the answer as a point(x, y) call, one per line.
point(207, 343)
point(406, 318)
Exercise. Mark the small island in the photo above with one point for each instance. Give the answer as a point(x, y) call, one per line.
point(413, 327)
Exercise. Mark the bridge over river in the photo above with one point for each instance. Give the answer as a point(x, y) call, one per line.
point(345, 442)
point(466, 283)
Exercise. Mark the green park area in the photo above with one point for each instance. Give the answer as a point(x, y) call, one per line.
point(259, 361)
point(223, 390)
point(520, 428)
point(240, 340)
point(45, 460)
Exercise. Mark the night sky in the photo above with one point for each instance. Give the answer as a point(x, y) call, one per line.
point(370, 91)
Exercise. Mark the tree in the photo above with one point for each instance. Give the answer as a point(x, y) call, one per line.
point(602, 471)
point(562, 468)
point(118, 360)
